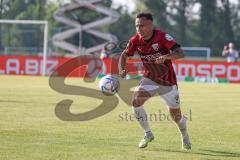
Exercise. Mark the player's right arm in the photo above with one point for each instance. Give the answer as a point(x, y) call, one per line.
point(129, 51)
point(122, 64)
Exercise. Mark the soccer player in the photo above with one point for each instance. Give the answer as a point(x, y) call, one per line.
point(156, 49)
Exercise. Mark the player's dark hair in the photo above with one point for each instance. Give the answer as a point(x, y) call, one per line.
point(146, 15)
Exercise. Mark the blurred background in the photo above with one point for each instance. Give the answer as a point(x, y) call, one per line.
point(208, 31)
point(196, 23)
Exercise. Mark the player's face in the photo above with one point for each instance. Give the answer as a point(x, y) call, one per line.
point(144, 27)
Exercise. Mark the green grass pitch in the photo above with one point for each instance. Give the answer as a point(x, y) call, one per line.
point(30, 130)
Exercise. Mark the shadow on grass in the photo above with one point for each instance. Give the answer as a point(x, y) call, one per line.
point(207, 152)
point(223, 153)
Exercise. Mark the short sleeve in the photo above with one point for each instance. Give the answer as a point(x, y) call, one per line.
point(131, 48)
point(169, 42)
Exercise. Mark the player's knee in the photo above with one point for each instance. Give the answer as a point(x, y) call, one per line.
point(138, 100)
point(175, 114)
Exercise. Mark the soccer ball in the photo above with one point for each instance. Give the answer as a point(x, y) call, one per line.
point(109, 85)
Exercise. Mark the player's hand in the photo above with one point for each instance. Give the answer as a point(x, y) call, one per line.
point(161, 59)
point(122, 73)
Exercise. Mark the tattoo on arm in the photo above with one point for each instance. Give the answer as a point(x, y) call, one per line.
point(177, 53)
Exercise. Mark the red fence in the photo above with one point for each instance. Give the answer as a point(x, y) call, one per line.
point(29, 65)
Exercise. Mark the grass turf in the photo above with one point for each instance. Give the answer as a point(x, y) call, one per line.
point(29, 128)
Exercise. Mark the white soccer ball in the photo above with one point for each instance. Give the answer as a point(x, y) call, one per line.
point(109, 85)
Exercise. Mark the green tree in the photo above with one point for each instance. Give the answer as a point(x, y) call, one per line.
point(235, 21)
point(207, 28)
point(124, 28)
point(24, 35)
point(226, 33)
point(179, 16)
point(216, 24)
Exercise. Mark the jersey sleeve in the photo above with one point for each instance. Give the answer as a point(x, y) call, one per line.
point(131, 48)
point(169, 42)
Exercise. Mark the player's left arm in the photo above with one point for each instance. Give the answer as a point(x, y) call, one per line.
point(175, 49)
point(176, 53)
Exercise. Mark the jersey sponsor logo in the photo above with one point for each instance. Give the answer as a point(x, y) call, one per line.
point(169, 37)
point(140, 49)
point(155, 46)
point(151, 57)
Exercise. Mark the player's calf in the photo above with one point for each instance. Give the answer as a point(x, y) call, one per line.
point(182, 126)
point(181, 122)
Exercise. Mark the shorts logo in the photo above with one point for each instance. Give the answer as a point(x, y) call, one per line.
point(177, 99)
point(155, 46)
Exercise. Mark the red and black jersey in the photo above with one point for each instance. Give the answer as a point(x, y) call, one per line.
point(159, 44)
